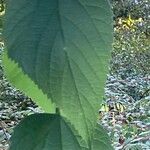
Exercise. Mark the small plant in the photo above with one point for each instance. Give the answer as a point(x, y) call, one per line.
point(57, 53)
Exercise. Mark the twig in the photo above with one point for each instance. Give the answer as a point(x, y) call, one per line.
point(135, 139)
point(141, 139)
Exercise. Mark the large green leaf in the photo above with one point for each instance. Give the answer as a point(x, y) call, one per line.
point(63, 47)
point(52, 132)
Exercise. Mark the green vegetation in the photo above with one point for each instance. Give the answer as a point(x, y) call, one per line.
point(124, 110)
point(129, 81)
point(57, 53)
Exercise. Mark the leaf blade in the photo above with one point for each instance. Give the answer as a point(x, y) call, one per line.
point(51, 131)
point(43, 132)
point(63, 46)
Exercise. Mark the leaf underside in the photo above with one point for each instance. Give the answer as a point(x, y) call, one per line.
point(44, 132)
point(52, 132)
point(63, 47)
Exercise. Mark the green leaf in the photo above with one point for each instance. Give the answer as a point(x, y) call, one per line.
point(63, 47)
point(44, 132)
point(101, 140)
point(52, 132)
point(24, 83)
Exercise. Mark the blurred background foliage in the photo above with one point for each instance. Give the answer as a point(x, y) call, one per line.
point(132, 36)
point(129, 80)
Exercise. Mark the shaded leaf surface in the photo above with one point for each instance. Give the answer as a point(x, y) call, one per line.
point(43, 132)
